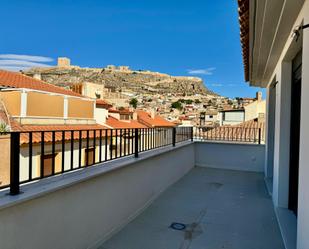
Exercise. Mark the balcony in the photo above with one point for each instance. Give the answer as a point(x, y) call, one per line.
point(215, 190)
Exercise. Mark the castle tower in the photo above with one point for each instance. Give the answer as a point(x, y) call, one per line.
point(64, 62)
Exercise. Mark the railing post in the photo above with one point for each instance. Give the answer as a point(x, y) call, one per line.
point(260, 135)
point(14, 164)
point(174, 136)
point(191, 133)
point(136, 142)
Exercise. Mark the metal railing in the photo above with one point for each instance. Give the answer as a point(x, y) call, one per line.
point(35, 155)
point(232, 134)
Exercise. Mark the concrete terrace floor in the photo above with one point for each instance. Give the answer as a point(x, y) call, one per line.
point(221, 208)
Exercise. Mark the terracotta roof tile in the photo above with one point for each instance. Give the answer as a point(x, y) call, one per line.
point(103, 103)
point(246, 131)
point(118, 124)
point(19, 80)
point(120, 111)
point(36, 129)
point(125, 111)
point(243, 10)
point(113, 110)
point(146, 119)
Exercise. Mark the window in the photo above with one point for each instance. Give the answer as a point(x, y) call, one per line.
point(211, 116)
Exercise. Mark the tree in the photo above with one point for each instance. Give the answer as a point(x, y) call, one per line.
point(133, 102)
point(197, 101)
point(177, 105)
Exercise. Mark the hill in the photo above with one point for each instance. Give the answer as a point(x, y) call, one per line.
point(122, 79)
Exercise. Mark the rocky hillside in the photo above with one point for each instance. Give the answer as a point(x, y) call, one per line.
point(131, 81)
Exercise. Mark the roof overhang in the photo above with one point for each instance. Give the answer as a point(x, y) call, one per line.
point(266, 26)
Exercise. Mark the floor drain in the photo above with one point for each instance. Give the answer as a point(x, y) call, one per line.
point(178, 226)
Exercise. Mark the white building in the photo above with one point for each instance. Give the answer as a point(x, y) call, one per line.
point(212, 116)
point(232, 116)
point(275, 42)
point(253, 110)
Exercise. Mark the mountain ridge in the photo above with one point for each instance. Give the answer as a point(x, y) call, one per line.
point(122, 80)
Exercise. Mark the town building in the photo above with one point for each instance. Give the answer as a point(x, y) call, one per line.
point(275, 46)
point(232, 116)
point(152, 120)
point(211, 116)
point(31, 105)
point(196, 193)
point(247, 111)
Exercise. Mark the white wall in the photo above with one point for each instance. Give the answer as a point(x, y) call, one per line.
point(232, 118)
point(270, 130)
point(303, 197)
point(82, 214)
point(255, 108)
point(100, 115)
point(234, 156)
point(282, 139)
point(211, 118)
point(282, 74)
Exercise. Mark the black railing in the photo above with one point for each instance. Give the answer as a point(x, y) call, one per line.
point(35, 155)
point(231, 134)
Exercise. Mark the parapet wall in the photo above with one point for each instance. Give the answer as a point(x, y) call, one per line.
point(81, 209)
point(230, 155)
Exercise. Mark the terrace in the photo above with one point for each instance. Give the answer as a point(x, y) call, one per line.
point(220, 209)
point(215, 188)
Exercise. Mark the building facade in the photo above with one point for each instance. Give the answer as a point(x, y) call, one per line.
point(275, 43)
point(31, 105)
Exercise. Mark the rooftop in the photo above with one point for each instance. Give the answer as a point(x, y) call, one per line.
point(37, 129)
point(156, 121)
point(244, 33)
point(119, 124)
point(18, 80)
point(103, 103)
point(220, 208)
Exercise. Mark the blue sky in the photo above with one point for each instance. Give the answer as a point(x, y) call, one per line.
point(193, 38)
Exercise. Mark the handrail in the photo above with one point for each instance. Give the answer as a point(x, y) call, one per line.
point(35, 155)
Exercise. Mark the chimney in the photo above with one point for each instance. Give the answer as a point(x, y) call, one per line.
point(258, 96)
point(37, 76)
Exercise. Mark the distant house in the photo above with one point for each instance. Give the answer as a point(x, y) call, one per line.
point(232, 116)
point(101, 111)
point(255, 109)
point(31, 105)
point(152, 120)
point(122, 113)
point(211, 116)
point(117, 123)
